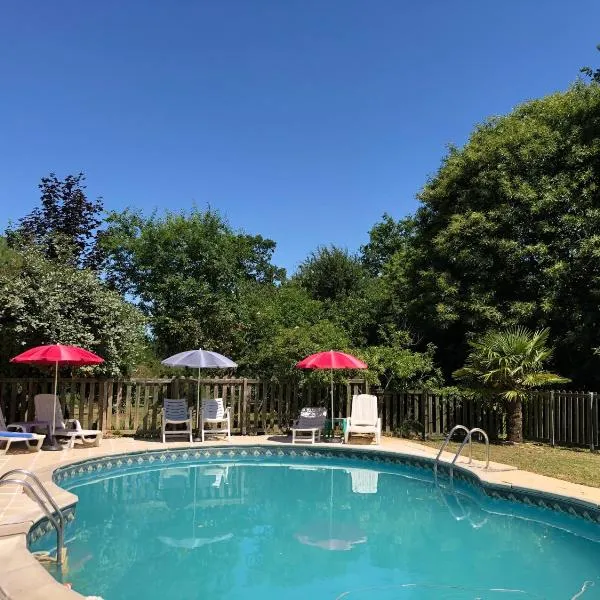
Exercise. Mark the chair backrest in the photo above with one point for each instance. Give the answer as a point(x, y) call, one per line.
point(43, 410)
point(176, 409)
point(213, 409)
point(364, 410)
point(312, 416)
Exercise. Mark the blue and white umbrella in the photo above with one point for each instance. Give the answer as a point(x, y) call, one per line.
point(199, 359)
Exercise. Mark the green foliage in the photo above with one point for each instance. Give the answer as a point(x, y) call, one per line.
point(593, 74)
point(330, 274)
point(277, 356)
point(65, 226)
point(507, 234)
point(188, 272)
point(386, 238)
point(397, 367)
point(44, 302)
point(508, 364)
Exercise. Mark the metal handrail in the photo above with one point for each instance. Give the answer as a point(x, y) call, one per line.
point(59, 524)
point(447, 440)
point(42, 488)
point(468, 439)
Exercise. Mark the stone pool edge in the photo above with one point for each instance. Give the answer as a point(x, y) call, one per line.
point(22, 577)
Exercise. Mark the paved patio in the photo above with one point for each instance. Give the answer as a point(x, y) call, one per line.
point(22, 577)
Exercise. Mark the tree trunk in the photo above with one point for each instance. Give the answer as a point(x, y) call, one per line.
point(514, 418)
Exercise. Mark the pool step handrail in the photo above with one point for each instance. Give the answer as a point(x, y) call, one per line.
point(447, 440)
point(55, 516)
point(467, 440)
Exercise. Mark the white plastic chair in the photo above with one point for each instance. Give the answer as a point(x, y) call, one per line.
point(311, 421)
point(364, 419)
point(214, 413)
point(14, 433)
point(176, 412)
point(69, 428)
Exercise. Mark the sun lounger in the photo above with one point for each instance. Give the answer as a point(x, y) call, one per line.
point(12, 434)
point(311, 421)
point(64, 428)
point(364, 418)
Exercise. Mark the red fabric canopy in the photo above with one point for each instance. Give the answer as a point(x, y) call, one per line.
point(331, 359)
point(57, 353)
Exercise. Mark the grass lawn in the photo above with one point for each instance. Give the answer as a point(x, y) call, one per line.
point(571, 464)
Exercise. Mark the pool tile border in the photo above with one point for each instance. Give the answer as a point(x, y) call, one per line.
point(573, 507)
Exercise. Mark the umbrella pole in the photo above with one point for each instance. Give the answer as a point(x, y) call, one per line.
point(332, 422)
point(51, 444)
point(198, 404)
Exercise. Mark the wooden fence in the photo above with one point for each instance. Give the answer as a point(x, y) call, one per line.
point(134, 406)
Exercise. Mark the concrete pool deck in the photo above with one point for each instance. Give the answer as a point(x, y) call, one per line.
point(23, 577)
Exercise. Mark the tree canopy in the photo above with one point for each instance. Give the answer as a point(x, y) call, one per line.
point(46, 302)
point(187, 272)
point(507, 234)
point(65, 225)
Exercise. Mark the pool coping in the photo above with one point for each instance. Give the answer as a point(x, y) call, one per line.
point(23, 577)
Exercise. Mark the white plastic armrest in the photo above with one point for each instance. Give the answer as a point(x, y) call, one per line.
point(379, 423)
point(73, 424)
point(190, 413)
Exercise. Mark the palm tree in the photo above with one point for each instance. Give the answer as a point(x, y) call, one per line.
point(508, 364)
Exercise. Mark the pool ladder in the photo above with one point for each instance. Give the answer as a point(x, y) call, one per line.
point(467, 440)
point(55, 515)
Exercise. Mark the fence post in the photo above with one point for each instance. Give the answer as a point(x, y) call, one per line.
point(424, 412)
point(590, 426)
point(552, 418)
point(244, 406)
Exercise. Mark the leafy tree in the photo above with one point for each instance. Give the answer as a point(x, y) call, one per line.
point(508, 364)
point(43, 302)
point(278, 357)
point(386, 238)
point(507, 234)
point(396, 366)
point(265, 311)
point(65, 226)
point(187, 272)
point(330, 274)
point(593, 74)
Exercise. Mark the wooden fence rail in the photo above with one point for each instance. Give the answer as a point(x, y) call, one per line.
point(262, 406)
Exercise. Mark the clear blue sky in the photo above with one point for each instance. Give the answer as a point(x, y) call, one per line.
point(302, 120)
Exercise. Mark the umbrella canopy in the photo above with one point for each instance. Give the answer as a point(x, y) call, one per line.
point(331, 359)
point(199, 359)
point(57, 354)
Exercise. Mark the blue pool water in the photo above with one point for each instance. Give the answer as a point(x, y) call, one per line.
point(312, 529)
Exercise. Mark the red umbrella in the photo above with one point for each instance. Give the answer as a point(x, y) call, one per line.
point(56, 354)
point(331, 359)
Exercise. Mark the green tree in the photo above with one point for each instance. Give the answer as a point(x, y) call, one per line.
point(507, 234)
point(65, 226)
point(395, 365)
point(44, 302)
point(593, 74)
point(508, 365)
point(386, 238)
point(187, 272)
point(330, 273)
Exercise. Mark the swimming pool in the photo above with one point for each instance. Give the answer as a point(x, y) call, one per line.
point(290, 524)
